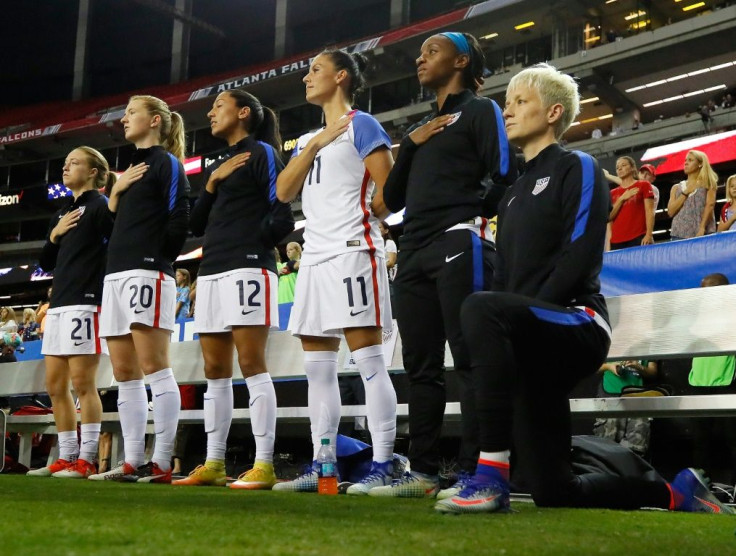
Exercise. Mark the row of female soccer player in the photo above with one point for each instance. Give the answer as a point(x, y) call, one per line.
point(518, 350)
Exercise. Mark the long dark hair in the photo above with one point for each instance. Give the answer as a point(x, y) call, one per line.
point(473, 72)
point(262, 124)
point(354, 64)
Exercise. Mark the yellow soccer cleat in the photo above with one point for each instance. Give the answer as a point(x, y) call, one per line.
point(204, 475)
point(260, 477)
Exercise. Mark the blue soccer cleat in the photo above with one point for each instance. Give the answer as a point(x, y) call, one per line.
point(696, 496)
point(477, 497)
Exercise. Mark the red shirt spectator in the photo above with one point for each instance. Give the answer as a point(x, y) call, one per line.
point(632, 200)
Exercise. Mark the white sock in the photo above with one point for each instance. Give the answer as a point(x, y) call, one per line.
point(380, 400)
point(324, 396)
point(90, 440)
point(166, 406)
point(262, 406)
point(68, 445)
point(218, 414)
point(133, 411)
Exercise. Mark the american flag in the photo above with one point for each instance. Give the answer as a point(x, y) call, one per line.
point(58, 190)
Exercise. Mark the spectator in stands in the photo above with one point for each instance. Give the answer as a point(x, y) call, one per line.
point(631, 432)
point(727, 101)
point(8, 321)
point(545, 325)
point(192, 298)
point(648, 173)
point(728, 212)
point(596, 134)
point(183, 281)
point(41, 310)
point(342, 287)
point(692, 200)
point(632, 215)
point(288, 272)
point(151, 211)
point(391, 255)
point(445, 255)
point(9, 339)
point(28, 329)
point(712, 376)
point(705, 117)
point(242, 221)
point(75, 250)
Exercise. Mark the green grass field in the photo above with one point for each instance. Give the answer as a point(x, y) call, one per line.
point(53, 516)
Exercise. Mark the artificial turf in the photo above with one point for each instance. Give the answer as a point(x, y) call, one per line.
point(54, 516)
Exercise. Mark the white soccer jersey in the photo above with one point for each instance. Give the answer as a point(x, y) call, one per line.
point(337, 193)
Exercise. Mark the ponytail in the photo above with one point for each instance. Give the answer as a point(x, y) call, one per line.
point(105, 178)
point(172, 134)
point(473, 72)
point(176, 141)
point(262, 123)
point(354, 64)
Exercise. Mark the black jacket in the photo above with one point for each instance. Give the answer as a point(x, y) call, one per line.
point(78, 259)
point(440, 181)
point(552, 230)
point(243, 220)
point(152, 216)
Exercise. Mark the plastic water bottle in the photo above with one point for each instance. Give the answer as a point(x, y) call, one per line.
point(327, 461)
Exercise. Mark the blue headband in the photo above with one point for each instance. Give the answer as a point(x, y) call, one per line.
point(460, 42)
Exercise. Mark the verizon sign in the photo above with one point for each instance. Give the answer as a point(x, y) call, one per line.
point(10, 200)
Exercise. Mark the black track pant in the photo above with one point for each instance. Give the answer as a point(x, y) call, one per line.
point(526, 356)
point(430, 287)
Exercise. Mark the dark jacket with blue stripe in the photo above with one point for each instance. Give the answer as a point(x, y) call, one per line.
point(152, 216)
point(552, 230)
point(440, 181)
point(243, 220)
point(78, 259)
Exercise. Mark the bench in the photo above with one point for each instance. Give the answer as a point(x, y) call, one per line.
point(659, 325)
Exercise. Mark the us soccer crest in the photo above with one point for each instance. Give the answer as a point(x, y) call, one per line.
point(540, 186)
point(453, 118)
point(81, 210)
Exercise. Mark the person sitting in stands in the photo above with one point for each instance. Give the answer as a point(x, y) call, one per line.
point(728, 212)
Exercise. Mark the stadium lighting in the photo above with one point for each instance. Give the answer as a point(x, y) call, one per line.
point(489, 36)
point(685, 95)
point(693, 6)
point(588, 100)
point(635, 15)
point(524, 25)
point(681, 76)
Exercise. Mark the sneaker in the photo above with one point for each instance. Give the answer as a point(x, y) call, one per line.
point(696, 496)
point(203, 476)
point(401, 465)
point(463, 478)
point(381, 474)
point(123, 473)
point(260, 477)
point(307, 482)
point(151, 473)
point(49, 470)
point(80, 469)
point(409, 486)
point(477, 497)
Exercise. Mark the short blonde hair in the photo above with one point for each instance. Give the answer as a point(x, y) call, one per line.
point(554, 87)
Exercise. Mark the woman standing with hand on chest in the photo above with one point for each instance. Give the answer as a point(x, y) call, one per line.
point(151, 211)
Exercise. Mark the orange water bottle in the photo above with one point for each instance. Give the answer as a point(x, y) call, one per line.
point(327, 462)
